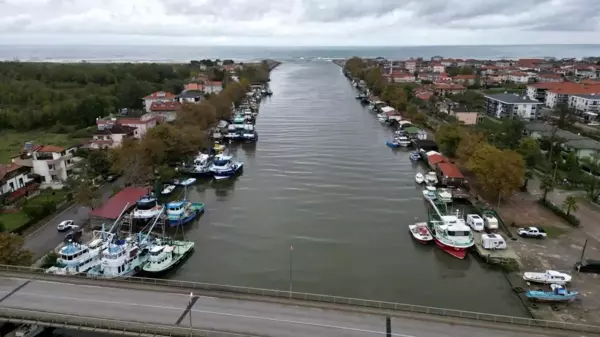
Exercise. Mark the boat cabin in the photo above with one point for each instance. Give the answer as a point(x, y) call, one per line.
point(176, 207)
point(72, 252)
point(455, 227)
point(146, 202)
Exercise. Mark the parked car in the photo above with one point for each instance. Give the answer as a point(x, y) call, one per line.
point(588, 266)
point(67, 225)
point(531, 232)
point(111, 178)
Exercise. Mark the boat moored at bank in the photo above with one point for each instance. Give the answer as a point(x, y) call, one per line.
point(224, 167)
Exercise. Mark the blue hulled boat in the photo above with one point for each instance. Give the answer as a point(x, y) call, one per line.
point(558, 294)
point(393, 144)
point(225, 167)
point(415, 156)
point(182, 212)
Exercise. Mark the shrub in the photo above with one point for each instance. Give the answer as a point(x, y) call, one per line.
point(570, 218)
point(49, 260)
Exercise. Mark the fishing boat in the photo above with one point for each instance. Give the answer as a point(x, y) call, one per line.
point(444, 195)
point(392, 144)
point(415, 156)
point(431, 178)
point(420, 232)
point(167, 189)
point(403, 141)
point(557, 294)
point(201, 165)
point(225, 167)
point(182, 212)
point(450, 232)
point(218, 148)
point(429, 193)
point(186, 182)
point(123, 257)
point(419, 178)
point(165, 255)
point(75, 258)
point(547, 277)
point(146, 207)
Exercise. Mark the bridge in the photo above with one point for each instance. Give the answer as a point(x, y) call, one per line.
point(157, 307)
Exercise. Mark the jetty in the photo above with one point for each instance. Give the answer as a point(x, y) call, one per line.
point(495, 256)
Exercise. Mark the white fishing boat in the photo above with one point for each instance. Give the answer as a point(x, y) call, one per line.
point(431, 178)
point(444, 195)
point(547, 277)
point(75, 258)
point(165, 255)
point(146, 207)
point(429, 193)
point(403, 141)
point(420, 232)
point(167, 189)
point(201, 166)
point(186, 182)
point(225, 167)
point(419, 178)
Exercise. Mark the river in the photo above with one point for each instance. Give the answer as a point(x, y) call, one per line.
point(321, 179)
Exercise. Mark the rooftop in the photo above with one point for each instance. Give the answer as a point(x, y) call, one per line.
point(160, 95)
point(450, 170)
point(49, 148)
point(589, 96)
point(191, 94)
point(112, 208)
point(8, 168)
point(115, 129)
point(512, 99)
point(165, 106)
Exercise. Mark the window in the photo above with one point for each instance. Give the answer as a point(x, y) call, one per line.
point(21, 182)
point(12, 186)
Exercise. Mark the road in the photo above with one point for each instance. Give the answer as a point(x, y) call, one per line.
point(47, 237)
point(241, 316)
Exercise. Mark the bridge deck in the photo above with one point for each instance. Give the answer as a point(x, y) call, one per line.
point(221, 314)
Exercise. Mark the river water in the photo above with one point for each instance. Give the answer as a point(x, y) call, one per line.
point(321, 179)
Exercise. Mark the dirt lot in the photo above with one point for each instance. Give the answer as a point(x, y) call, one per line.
point(559, 252)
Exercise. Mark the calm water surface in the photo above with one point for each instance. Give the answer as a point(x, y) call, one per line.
point(320, 179)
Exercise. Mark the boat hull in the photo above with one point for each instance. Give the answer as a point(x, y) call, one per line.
point(177, 260)
point(392, 145)
point(459, 253)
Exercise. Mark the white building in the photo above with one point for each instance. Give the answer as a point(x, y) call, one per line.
point(585, 103)
point(518, 77)
point(141, 124)
point(438, 68)
point(402, 77)
point(14, 177)
point(511, 105)
point(110, 136)
point(52, 163)
point(212, 87)
point(159, 96)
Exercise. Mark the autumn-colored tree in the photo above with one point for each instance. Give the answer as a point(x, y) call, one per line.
point(498, 172)
point(468, 144)
point(131, 161)
point(449, 136)
point(222, 105)
point(201, 115)
point(85, 195)
point(12, 252)
point(355, 65)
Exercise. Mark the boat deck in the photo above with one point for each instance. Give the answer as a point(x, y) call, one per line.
point(495, 256)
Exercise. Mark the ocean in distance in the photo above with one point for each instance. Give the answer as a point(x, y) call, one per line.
point(177, 54)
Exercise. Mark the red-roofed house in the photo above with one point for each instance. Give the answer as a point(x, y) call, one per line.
point(434, 159)
point(400, 77)
point(449, 175)
point(464, 79)
point(550, 77)
point(166, 109)
point(112, 208)
point(15, 181)
point(444, 89)
point(193, 86)
point(141, 124)
point(52, 163)
point(159, 96)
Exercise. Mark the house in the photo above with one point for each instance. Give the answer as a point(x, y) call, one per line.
point(142, 124)
point(462, 113)
point(423, 94)
point(518, 77)
point(464, 79)
point(524, 64)
point(159, 96)
point(449, 175)
point(585, 103)
point(15, 181)
point(550, 77)
point(444, 89)
point(537, 91)
point(52, 163)
point(110, 136)
point(411, 65)
point(447, 62)
point(190, 96)
point(582, 146)
point(511, 105)
point(212, 87)
point(193, 86)
point(398, 77)
point(560, 95)
point(438, 67)
point(503, 63)
point(168, 110)
point(586, 71)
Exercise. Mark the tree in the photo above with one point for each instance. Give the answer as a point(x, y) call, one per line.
point(99, 162)
point(85, 195)
point(570, 204)
point(449, 136)
point(528, 175)
point(12, 252)
point(547, 185)
point(530, 150)
point(419, 119)
point(566, 116)
point(202, 115)
point(132, 162)
point(499, 172)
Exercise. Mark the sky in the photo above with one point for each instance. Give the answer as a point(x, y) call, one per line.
point(300, 22)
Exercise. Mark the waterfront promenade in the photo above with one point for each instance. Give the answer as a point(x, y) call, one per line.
point(163, 307)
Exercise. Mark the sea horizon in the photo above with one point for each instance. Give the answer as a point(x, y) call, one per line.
point(104, 53)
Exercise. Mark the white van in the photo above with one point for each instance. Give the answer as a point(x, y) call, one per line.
point(491, 223)
point(493, 241)
point(475, 222)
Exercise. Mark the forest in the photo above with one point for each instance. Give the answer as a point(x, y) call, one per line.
point(72, 96)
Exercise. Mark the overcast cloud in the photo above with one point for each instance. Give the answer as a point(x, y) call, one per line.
point(300, 22)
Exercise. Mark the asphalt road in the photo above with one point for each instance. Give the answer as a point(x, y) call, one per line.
point(47, 237)
point(241, 316)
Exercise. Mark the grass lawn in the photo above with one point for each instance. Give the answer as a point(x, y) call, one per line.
point(12, 221)
point(553, 232)
point(11, 142)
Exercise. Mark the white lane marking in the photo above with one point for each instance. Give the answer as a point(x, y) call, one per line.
point(76, 299)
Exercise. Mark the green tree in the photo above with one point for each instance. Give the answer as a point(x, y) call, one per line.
point(12, 252)
point(530, 150)
point(547, 185)
point(85, 195)
point(448, 137)
point(99, 162)
point(419, 119)
point(527, 176)
point(570, 204)
point(566, 116)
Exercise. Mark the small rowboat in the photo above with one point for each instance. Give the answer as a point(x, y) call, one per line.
point(420, 232)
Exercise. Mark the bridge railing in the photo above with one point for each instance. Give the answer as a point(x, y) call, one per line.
point(43, 318)
point(338, 300)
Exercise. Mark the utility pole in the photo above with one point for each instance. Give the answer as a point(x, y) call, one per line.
point(291, 268)
point(190, 313)
point(388, 326)
point(583, 250)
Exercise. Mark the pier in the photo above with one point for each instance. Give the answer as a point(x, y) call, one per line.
point(496, 256)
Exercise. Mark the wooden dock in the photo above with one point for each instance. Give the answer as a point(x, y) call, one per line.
point(498, 256)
